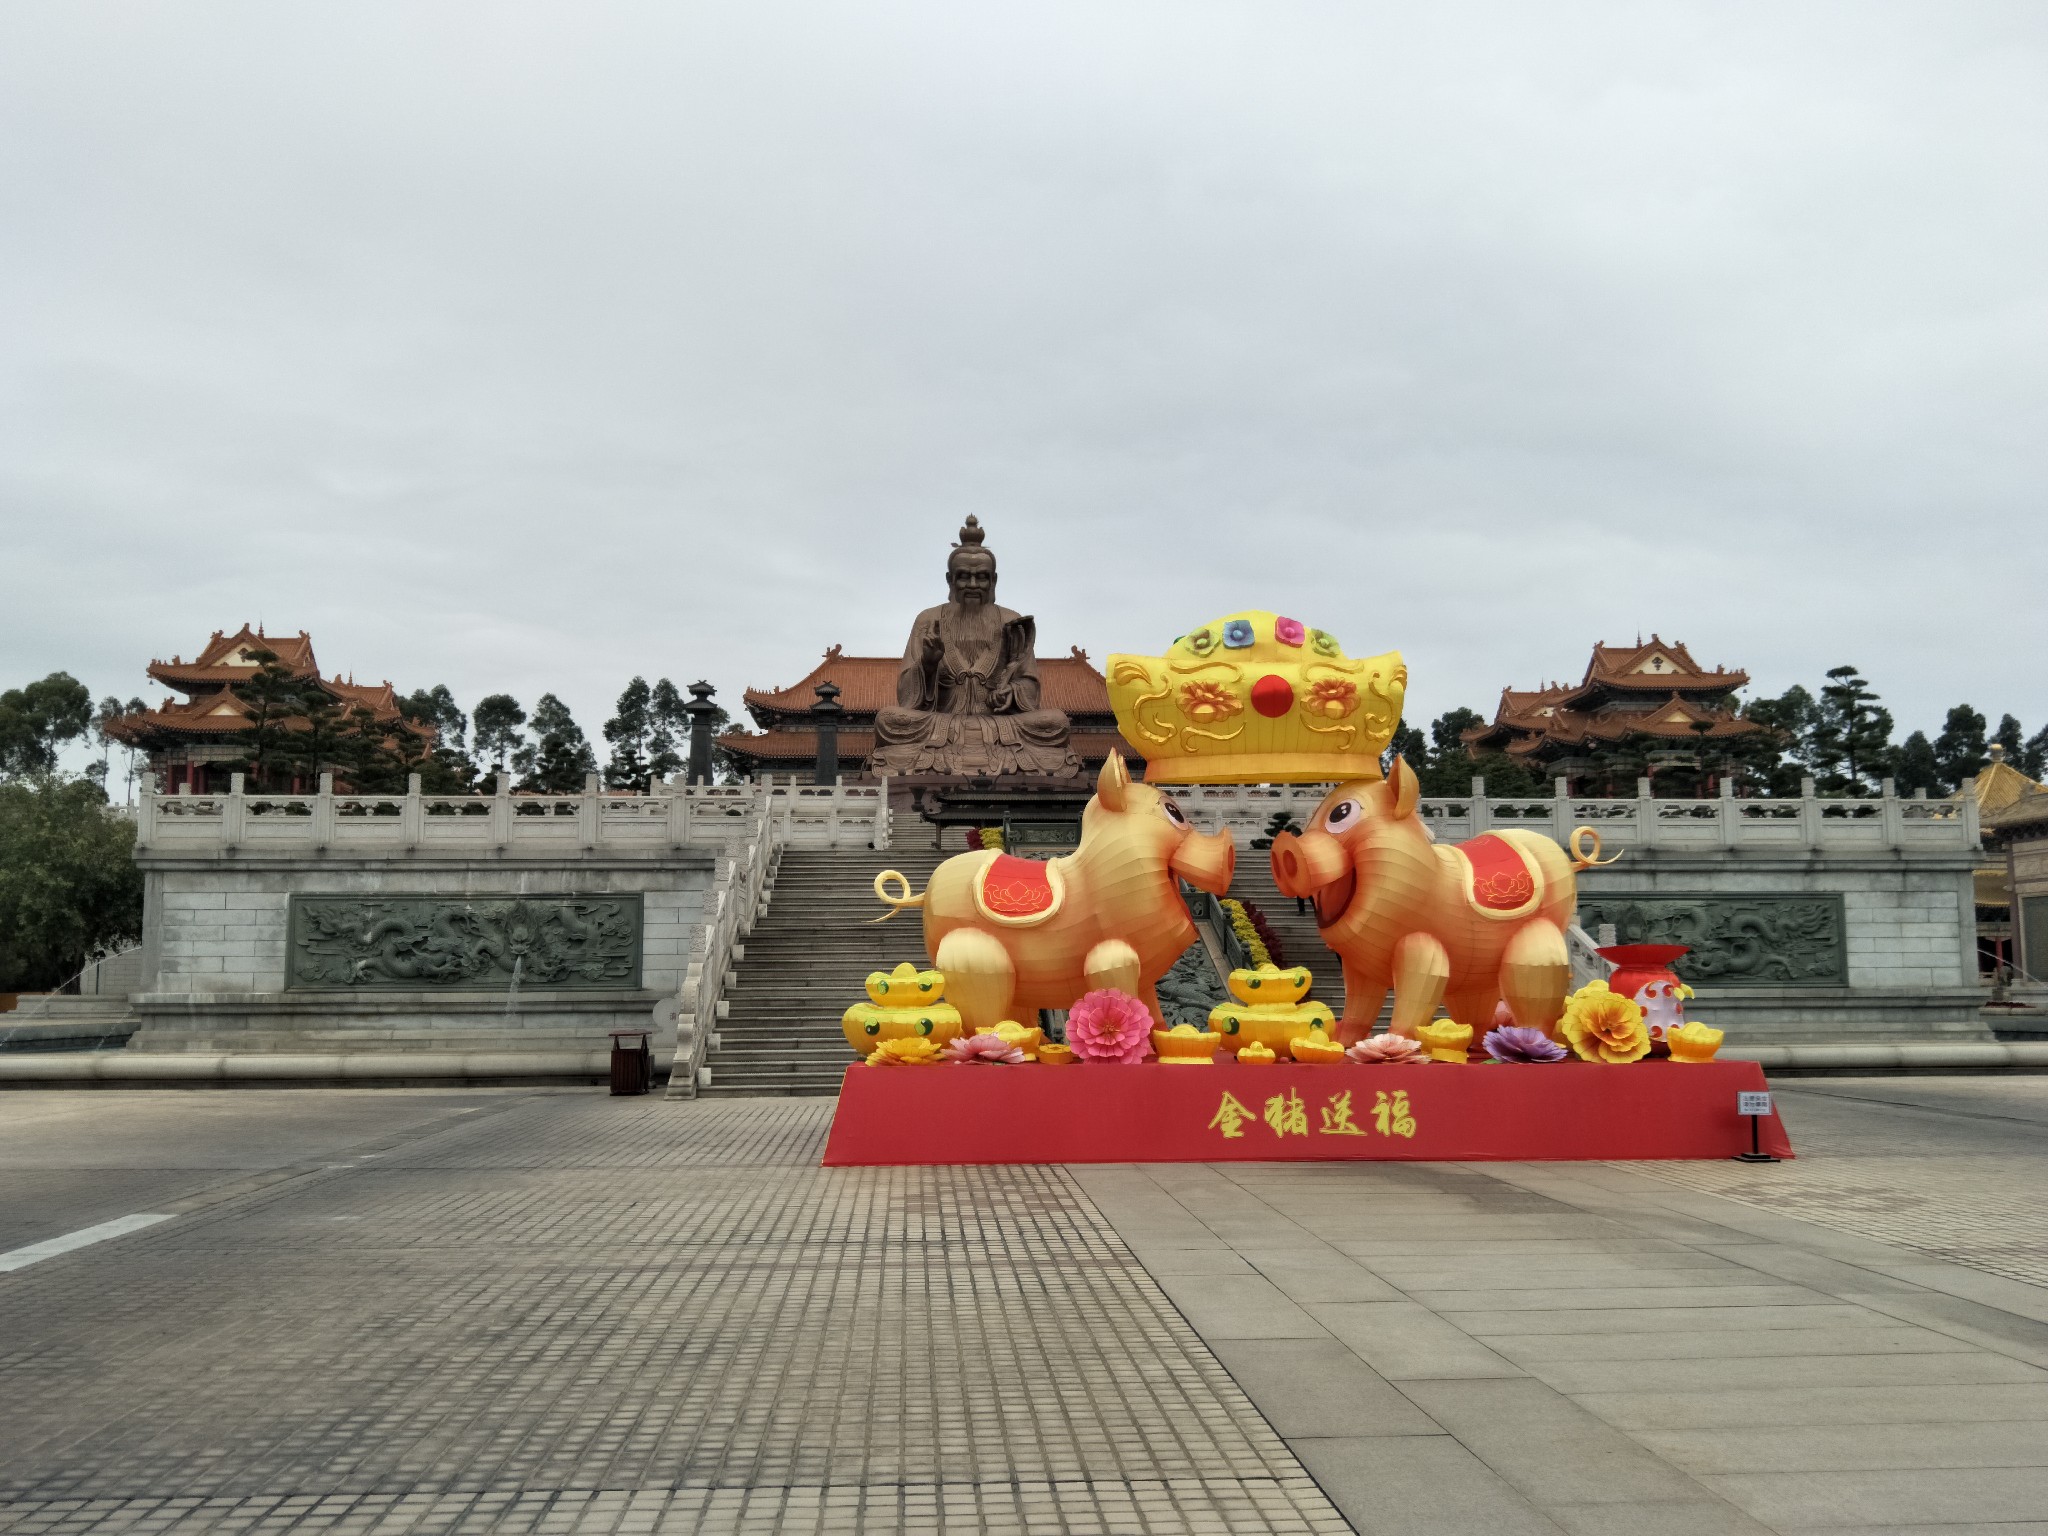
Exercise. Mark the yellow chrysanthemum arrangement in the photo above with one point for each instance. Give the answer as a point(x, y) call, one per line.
point(1602, 1025)
point(1241, 925)
point(909, 1051)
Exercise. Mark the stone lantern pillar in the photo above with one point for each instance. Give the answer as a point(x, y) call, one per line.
point(825, 713)
point(700, 709)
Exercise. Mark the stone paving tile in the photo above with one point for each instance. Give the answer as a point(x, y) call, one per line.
point(1894, 1176)
point(581, 1314)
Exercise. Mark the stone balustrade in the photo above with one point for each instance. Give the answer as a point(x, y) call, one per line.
point(1809, 823)
point(857, 816)
point(376, 826)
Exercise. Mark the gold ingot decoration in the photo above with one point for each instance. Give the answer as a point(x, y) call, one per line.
point(1055, 1053)
point(1316, 1049)
point(1186, 1046)
point(1257, 698)
point(1445, 1041)
point(1267, 1009)
point(905, 1003)
point(1693, 1042)
point(1256, 1055)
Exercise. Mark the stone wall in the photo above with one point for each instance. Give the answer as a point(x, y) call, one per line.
point(1908, 939)
point(216, 952)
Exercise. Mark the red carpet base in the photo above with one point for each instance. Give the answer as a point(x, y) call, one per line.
point(1290, 1113)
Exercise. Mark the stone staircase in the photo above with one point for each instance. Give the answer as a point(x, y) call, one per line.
point(804, 966)
point(1299, 938)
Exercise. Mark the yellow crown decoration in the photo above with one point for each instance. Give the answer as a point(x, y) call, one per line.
point(1255, 698)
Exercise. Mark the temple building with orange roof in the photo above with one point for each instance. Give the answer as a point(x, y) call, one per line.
point(196, 742)
point(786, 741)
point(1652, 689)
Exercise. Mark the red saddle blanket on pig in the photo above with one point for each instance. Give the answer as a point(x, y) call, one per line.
point(1501, 879)
point(1019, 892)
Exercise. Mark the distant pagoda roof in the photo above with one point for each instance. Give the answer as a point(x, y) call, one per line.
point(868, 683)
point(214, 710)
point(1649, 689)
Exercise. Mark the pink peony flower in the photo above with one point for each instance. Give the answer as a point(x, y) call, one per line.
point(1511, 1042)
point(1289, 631)
point(1108, 1025)
point(1380, 1050)
point(993, 1049)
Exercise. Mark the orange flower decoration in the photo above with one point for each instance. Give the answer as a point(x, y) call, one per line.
point(1602, 1025)
point(1207, 703)
point(1331, 697)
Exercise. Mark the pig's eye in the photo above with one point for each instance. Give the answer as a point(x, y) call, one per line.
point(1342, 814)
point(1173, 813)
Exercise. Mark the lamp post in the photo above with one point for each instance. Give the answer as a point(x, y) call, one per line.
point(701, 711)
point(826, 713)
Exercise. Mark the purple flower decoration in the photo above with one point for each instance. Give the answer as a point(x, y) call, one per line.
point(1237, 634)
point(1511, 1042)
point(1289, 631)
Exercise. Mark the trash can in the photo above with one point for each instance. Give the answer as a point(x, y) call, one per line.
point(632, 1061)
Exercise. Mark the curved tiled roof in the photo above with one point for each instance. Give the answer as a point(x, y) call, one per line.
point(1527, 721)
point(868, 683)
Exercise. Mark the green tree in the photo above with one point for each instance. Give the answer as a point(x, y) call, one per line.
point(273, 697)
point(499, 739)
point(436, 706)
point(628, 730)
point(560, 756)
point(668, 734)
point(1854, 733)
point(2012, 737)
point(1917, 768)
point(1960, 751)
point(68, 882)
point(37, 719)
point(2034, 760)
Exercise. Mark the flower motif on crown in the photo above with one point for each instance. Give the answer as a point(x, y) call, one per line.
point(1332, 697)
point(1202, 641)
point(1322, 642)
point(1289, 631)
point(1238, 633)
point(1207, 703)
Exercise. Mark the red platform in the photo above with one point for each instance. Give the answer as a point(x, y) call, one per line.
point(1227, 1113)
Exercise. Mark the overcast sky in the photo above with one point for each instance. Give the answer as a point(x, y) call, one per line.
point(528, 347)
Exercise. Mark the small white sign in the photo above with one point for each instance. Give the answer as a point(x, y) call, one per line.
point(1752, 1103)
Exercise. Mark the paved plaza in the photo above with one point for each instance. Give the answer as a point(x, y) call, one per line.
point(555, 1311)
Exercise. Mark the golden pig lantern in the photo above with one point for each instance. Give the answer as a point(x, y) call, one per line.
point(1014, 934)
point(1464, 926)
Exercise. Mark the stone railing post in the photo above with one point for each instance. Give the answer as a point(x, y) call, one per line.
point(323, 812)
point(882, 816)
point(1966, 803)
point(145, 811)
point(1482, 813)
point(1646, 813)
point(412, 815)
point(1809, 814)
point(501, 812)
point(678, 813)
point(1729, 812)
point(587, 813)
point(1894, 814)
point(1561, 810)
point(232, 819)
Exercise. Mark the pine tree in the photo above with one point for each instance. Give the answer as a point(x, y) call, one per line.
point(272, 694)
point(2034, 760)
point(498, 738)
point(1960, 751)
point(628, 731)
point(1853, 735)
point(2012, 737)
point(560, 756)
point(668, 732)
point(1917, 769)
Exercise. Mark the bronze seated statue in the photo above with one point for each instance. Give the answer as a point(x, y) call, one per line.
point(967, 699)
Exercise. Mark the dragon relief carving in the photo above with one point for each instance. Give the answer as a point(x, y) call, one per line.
point(1760, 941)
point(430, 941)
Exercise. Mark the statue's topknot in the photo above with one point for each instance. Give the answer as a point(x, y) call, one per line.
point(971, 534)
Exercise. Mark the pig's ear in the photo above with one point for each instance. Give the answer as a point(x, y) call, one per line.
point(1405, 785)
point(1111, 783)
